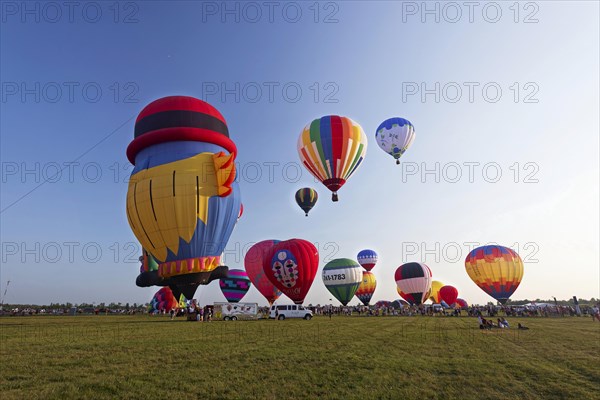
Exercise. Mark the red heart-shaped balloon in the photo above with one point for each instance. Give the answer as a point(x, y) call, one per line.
point(253, 262)
point(291, 266)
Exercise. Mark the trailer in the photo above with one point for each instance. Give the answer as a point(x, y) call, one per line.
point(235, 311)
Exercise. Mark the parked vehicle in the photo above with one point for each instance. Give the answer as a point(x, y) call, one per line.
point(282, 312)
point(235, 311)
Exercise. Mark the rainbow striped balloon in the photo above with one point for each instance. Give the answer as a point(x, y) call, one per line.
point(332, 148)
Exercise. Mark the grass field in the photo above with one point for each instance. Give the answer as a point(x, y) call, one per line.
point(343, 358)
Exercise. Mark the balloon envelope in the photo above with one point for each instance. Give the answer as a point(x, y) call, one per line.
point(448, 294)
point(461, 303)
point(235, 286)
point(332, 148)
point(394, 136)
point(306, 198)
point(366, 288)
point(291, 266)
point(342, 277)
point(414, 281)
point(399, 303)
point(383, 304)
point(182, 199)
point(367, 258)
point(253, 262)
point(497, 270)
point(434, 296)
point(165, 300)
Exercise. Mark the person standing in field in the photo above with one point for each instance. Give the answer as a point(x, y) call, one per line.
point(595, 313)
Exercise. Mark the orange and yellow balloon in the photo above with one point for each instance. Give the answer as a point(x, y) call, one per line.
point(497, 270)
point(366, 288)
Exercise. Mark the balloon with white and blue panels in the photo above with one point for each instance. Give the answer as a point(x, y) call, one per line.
point(342, 277)
point(394, 136)
point(367, 258)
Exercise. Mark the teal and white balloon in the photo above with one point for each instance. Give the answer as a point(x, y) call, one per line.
point(394, 136)
point(342, 277)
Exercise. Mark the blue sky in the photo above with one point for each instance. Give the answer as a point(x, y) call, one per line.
point(69, 240)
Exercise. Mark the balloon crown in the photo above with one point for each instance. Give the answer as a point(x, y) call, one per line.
point(179, 118)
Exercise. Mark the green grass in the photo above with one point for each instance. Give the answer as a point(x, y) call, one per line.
point(343, 358)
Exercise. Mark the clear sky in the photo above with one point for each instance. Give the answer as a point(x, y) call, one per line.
point(504, 99)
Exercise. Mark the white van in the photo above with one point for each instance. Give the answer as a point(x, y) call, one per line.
point(289, 311)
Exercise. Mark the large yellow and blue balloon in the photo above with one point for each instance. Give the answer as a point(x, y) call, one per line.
point(497, 270)
point(183, 201)
point(394, 136)
point(332, 148)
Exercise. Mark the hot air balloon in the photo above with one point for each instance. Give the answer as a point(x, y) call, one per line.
point(497, 270)
point(434, 296)
point(306, 198)
point(367, 258)
point(448, 294)
point(461, 303)
point(332, 148)
point(399, 303)
point(241, 212)
point(253, 262)
point(366, 288)
point(414, 281)
point(182, 200)
point(383, 304)
point(342, 277)
point(235, 286)
point(291, 266)
point(165, 300)
point(394, 136)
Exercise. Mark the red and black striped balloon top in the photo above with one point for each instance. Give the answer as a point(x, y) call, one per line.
point(411, 270)
point(178, 118)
